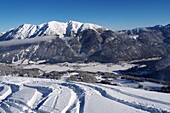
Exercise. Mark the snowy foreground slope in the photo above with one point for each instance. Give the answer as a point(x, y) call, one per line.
point(51, 96)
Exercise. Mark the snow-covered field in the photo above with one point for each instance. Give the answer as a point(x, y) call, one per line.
point(90, 67)
point(37, 95)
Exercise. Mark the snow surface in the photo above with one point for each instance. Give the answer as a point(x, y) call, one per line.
point(90, 67)
point(134, 36)
point(52, 96)
point(5, 91)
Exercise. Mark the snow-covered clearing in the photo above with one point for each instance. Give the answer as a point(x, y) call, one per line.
point(21, 94)
point(90, 67)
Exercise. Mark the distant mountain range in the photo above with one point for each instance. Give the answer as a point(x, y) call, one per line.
point(86, 42)
point(142, 29)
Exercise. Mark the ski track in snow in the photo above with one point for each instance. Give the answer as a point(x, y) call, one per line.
point(52, 96)
point(80, 97)
point(137, 96)
point(135, 105)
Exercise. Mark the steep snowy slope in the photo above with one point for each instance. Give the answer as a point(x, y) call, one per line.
point(51, 28)
point(50, 96)
point(73, 28)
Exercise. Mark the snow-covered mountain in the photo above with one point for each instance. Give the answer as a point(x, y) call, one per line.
point(160, 27)
point(87, 42)
point(1, 34)
point(145, 29)
point(51, 28)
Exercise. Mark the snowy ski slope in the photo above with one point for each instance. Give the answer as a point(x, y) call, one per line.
point(35, 95)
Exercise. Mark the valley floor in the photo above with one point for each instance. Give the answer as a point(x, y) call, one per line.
point(21, 94)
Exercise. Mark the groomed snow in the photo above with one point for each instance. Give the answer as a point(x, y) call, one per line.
point(4, 91)
point(26, 95)
point(52, 96)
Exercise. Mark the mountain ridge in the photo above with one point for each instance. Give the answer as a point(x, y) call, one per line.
point(51, 28)
point(62, 29)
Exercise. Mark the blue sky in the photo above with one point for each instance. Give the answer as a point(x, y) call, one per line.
point(113, 14)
